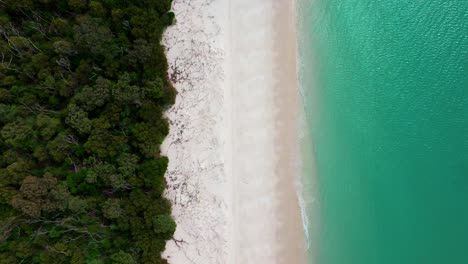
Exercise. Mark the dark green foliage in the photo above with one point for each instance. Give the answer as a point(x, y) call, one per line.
point(83, 85)
point(122, 258)
point(164, 225)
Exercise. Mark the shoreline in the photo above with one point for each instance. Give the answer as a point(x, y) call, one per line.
point(233, 142)
point(268, 218)
point(289, 168)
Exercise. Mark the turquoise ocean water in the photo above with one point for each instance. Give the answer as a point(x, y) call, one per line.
point(385, 87)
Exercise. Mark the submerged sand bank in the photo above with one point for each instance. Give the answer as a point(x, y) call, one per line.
point(232, 145)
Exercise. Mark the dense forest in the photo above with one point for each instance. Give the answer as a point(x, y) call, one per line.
point(83, 87)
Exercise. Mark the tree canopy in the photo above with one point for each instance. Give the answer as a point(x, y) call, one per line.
point(83, 88)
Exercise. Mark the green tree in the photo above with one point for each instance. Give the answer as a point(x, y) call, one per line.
point(104, 144)
point(78, 119)
point(153, 171)
point(78, 5)
point(17, 171)
point(59, 148)
point(91, 98)
point(97, 9)
point(154, 89)
point(147, 138)
point(64, 47)
point(91, 34)
point(40, 195)
point(17, 134)
point(122, 258)
point(141, 53)
point(47, 126)
point(59, 26)
point(164, 225)
point(128, 164)
point(124, 92)
point(111, 209)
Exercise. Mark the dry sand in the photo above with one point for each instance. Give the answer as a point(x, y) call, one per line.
point(233, 140)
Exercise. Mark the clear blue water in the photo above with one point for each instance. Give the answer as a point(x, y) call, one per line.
point(385, 85)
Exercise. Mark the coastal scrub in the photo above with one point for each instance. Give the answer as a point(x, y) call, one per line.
point(83, 87)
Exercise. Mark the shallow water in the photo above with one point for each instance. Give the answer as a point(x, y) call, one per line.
point(385, 85)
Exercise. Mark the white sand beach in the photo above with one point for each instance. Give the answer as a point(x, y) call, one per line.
point(233, 133)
